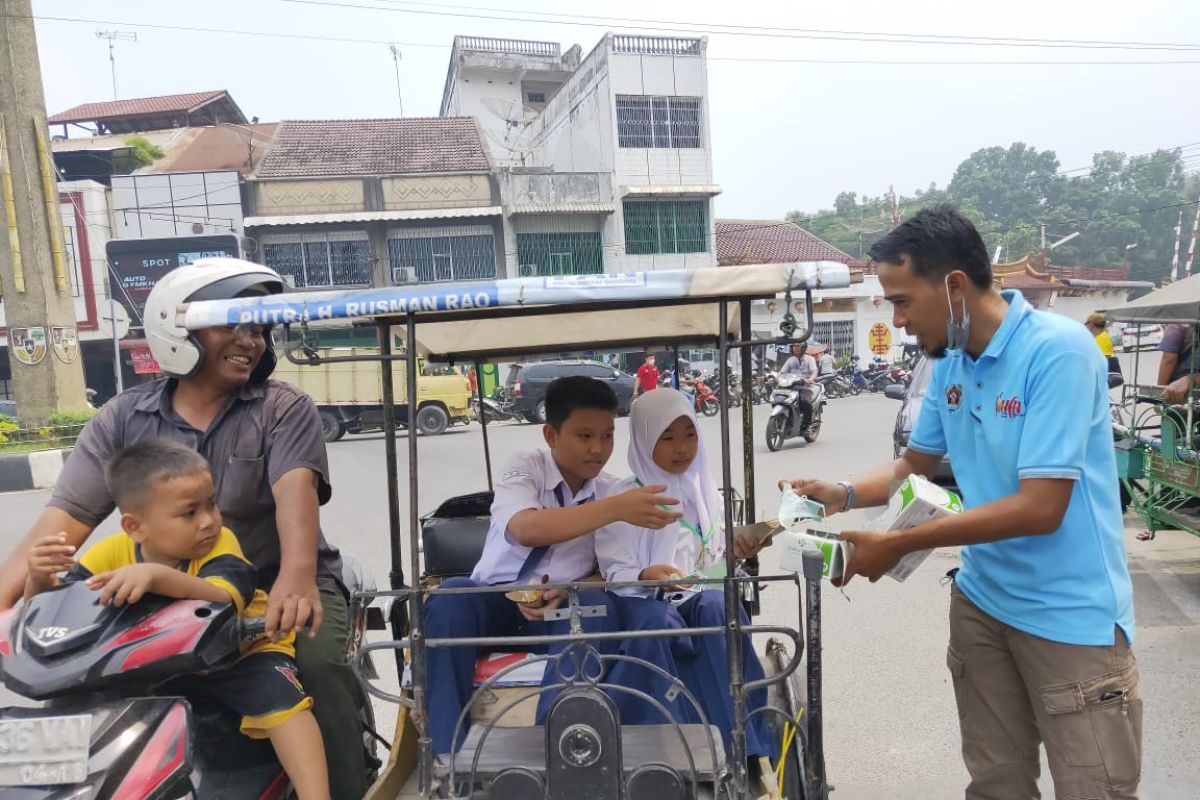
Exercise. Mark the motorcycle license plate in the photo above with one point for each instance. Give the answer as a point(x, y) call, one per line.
point(44, 751)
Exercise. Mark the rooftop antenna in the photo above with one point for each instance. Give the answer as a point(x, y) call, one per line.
point(396, 61)
point(111, 37)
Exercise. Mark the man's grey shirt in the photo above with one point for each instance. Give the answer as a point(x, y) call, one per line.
point(265, 432)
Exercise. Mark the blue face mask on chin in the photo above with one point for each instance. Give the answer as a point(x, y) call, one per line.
point(957, 333)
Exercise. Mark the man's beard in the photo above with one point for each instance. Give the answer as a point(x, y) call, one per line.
point(937, 352)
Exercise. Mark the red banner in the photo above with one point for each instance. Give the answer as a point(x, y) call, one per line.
point(143, 361)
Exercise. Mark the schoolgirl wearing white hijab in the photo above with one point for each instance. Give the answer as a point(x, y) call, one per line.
point(665, 449)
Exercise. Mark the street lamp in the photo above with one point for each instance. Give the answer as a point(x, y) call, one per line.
point(1128, 247)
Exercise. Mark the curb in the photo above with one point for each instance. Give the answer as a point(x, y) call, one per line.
point(21, 472)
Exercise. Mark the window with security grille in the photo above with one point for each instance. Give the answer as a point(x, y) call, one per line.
point(644, 121)
point(540, 254)
point(837, 334)
point(666, 226)
point(334, 258)
point(427, 255)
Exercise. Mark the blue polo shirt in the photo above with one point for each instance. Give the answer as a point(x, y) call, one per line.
point(1035, 405)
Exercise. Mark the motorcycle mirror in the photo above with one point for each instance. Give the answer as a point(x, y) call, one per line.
point(895, 391)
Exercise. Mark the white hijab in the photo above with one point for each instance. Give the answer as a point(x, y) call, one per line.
point(698, 493)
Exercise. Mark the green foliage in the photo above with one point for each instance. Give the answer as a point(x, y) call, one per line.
point(72, 418)
point(1011, 192)
point(61, 430)
point(144, 153)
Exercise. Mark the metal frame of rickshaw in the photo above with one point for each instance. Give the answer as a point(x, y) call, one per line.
point(1157, 460)
point(407, 617)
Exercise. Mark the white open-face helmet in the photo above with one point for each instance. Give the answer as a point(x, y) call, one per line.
point(175, 349)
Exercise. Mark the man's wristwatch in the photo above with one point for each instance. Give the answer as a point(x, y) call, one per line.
point(851, 497)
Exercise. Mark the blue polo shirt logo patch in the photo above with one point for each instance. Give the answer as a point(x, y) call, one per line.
point(1010, 408)
point(954, 397)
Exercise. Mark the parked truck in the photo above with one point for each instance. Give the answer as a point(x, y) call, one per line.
point(349, 394)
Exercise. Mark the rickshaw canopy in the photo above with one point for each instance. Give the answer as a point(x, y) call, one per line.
point(522, 316)
point(1179, 302)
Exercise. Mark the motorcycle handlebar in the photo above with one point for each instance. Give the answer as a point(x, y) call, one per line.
point(253, 627)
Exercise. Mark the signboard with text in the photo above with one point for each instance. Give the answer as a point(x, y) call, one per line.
point(136, 265)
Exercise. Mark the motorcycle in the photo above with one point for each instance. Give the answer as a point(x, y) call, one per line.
point(764, 385)
point(836, 385)
point(500, 407)
point(707, 402)
point(117, 725)
point(796, 411)
point(734, 395)
point(877, 378)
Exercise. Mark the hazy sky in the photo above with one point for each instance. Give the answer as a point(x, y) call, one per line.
point(786, 134)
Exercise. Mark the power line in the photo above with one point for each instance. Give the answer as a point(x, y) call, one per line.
point(1179, 147)
point(497, 15)
point(824, 31)
point(357, 40)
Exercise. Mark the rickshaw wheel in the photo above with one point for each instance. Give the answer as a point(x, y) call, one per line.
point(796, 767)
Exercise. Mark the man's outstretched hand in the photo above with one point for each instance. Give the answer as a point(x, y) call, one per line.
point(831, 495)
point(875, 552)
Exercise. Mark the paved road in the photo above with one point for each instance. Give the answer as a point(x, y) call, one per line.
point(891, 726)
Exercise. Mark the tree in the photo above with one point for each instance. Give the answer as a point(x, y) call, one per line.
point(143, 152)
point(1011, 193)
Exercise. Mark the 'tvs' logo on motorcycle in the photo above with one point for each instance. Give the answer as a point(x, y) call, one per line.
point(50, 634)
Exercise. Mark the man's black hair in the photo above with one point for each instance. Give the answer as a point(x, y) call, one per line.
point(566, 395)
point(938, 240)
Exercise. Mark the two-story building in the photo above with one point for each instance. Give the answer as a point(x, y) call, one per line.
point(344, 203)
point(604, 163)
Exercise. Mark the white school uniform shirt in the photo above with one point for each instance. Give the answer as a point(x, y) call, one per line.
point(624, 550)
point(528, 482)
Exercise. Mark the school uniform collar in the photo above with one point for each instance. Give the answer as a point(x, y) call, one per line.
point(554, 478)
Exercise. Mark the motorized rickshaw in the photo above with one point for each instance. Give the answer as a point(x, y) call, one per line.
point(581, 751)
point(1157, 441)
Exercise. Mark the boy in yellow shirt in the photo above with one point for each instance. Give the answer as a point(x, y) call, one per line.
point(173, 544)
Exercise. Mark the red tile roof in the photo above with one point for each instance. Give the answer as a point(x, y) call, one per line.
point(315, 148)
point(741, 241)
point(1026, 282)
point(142, 106)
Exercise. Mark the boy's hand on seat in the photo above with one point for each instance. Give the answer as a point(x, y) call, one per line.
point(663, 572)
point(551, 599)
point(645, 507)
point(126, 585)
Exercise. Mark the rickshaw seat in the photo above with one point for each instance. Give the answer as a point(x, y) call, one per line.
point(452, 537)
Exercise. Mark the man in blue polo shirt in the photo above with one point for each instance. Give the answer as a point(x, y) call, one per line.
point(1041, 613)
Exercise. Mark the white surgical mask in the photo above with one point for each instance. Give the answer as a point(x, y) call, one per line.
point(957, 333)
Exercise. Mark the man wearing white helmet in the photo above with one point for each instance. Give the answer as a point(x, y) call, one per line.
point(263, 441)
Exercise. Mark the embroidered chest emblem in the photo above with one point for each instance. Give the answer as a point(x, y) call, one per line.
point(954, 397)
point(1009, 408)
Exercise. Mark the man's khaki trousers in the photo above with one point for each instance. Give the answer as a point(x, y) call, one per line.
point(1016, 691)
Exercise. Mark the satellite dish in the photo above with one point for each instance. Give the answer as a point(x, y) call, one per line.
point(514, 113)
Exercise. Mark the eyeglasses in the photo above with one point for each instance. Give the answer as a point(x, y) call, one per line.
point(246, 331)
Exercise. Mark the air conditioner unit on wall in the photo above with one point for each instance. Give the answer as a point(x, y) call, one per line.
point(401, 275)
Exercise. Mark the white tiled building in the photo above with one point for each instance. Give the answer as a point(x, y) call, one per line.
point(604, 162)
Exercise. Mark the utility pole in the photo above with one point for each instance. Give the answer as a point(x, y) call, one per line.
point(111, 37)
point(39, 312)
point(396, 62)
